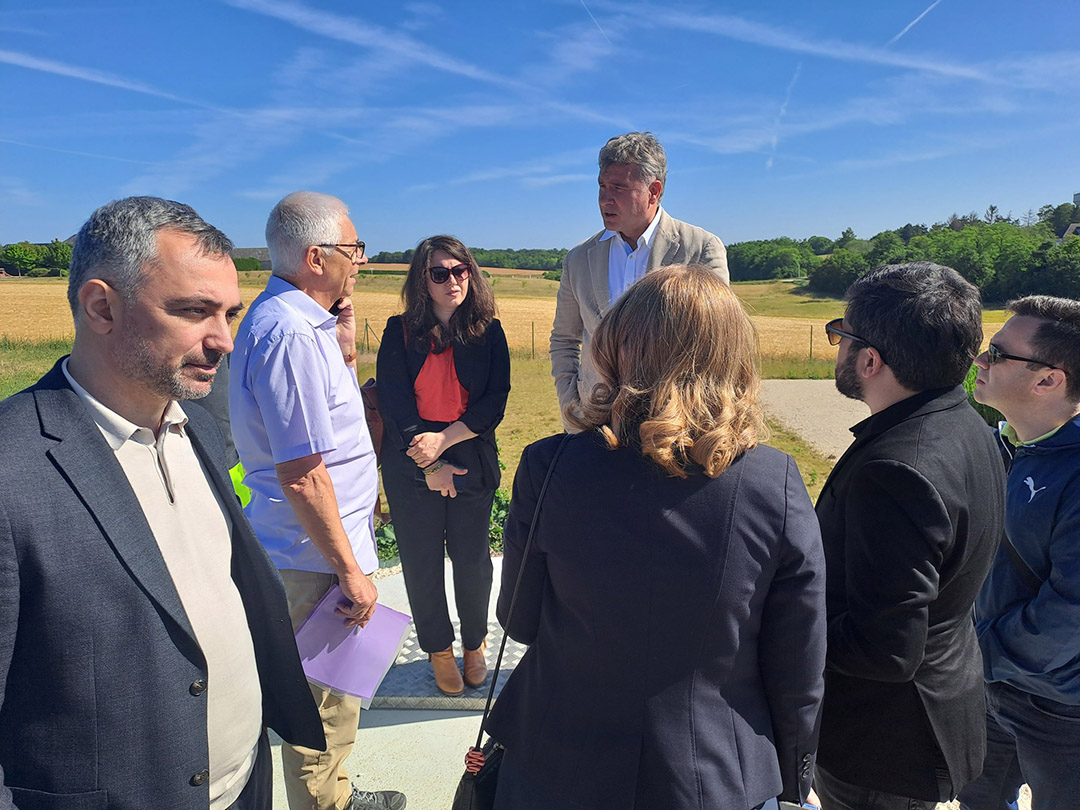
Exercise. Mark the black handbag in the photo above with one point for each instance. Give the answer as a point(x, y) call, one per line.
point(476, 788)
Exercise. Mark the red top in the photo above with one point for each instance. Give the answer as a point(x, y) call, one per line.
point(440, 397)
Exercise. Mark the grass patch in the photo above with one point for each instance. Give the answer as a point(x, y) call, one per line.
point(813, 466)
point(22, 362)
point(790, 368)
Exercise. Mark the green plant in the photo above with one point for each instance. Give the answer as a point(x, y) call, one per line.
point(500, 509)
point(386, 542)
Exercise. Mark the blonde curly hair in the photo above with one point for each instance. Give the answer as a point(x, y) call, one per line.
point(677, 358)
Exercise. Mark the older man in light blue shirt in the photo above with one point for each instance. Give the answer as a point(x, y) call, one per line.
point(299, 427)
point(295, 397)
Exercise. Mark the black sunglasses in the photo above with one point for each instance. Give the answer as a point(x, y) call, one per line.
point(835, 334)
point(993, 354)
point(357, 252)
point(441, 275)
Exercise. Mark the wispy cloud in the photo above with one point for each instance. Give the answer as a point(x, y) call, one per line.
point(94, 155)
point(754, 33)
point(780, 117)
point(912, 24)
point(25, 60)
point(366, 34)
point(16, 192)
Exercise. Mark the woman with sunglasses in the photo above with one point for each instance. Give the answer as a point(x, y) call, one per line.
point(444, 375)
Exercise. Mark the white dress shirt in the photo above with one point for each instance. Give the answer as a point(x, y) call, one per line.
point(626, 264)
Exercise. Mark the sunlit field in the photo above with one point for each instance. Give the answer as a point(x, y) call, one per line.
point(36, 328)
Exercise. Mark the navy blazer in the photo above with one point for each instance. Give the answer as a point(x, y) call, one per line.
point(677, 630)
point(911, 517)
point(99, 708)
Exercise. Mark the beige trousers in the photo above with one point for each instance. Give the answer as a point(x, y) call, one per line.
point(317, 780)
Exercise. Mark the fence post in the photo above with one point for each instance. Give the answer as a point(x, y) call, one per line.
point(533, 325)
point(811, 343)
point(365, 343)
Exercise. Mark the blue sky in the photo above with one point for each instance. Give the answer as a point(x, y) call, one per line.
point(483, 119)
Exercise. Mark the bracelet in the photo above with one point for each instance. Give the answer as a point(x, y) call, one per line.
point(349, 357)
point(434, 467)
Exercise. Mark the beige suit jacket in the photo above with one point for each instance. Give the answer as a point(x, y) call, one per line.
point(584, 298)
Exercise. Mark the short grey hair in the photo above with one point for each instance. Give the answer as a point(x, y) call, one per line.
point(120, 240)
point(298, 221)
point(640, 149)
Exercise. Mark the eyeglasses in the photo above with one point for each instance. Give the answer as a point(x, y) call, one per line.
point(357, 249)
point(993, 354)
point(441, 275)
point(836, 334)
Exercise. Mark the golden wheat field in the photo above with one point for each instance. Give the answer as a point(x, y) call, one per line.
point(35, 309)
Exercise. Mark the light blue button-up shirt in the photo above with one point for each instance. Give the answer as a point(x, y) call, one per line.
point(291, 395)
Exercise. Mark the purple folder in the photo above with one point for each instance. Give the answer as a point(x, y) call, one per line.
point(353, 660)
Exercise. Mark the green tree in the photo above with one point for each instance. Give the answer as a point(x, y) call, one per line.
point(836, 273)
point(820, 244)
point(845, 238)
point(56, 255)
point(247, 264)
point(886, 248)
point(21, 257)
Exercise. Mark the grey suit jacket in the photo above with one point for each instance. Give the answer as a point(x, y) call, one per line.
point(102, 681)
point(584, 298)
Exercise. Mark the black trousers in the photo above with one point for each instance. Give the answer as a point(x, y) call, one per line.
point(426, 523)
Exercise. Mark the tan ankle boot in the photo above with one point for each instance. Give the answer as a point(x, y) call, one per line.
point(475, 662)
point(447, 674)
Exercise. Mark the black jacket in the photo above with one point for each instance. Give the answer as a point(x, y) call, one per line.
point(483, 369)
point(910, 518)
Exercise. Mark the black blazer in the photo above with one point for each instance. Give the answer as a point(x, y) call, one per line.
point(97, 657)
point(677, 630)
point(483, 369)
point(911, 518)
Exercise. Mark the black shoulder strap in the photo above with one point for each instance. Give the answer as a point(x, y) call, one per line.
point(1027, 576)
point(517, 582)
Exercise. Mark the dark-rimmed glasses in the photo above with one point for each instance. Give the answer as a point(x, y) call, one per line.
point(357, 252)
point(441, 275)
point(993, 354)
point(835, 334)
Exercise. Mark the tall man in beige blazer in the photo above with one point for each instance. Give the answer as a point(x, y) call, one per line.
point(638, 237)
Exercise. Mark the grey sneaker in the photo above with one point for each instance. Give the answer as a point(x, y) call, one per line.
point(376, 800)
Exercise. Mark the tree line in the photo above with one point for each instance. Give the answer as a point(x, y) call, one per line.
point(28, 259)
point(1004, 256)
point(526, 259)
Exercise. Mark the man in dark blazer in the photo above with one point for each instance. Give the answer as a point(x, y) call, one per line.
point(910, 520)
point(638, 237)
point(144, 634)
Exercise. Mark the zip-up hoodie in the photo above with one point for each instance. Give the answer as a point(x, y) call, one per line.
point(1032, 642)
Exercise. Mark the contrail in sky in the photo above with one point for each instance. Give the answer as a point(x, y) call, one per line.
point(601, 30)
point(911, 24)
point(775, 141)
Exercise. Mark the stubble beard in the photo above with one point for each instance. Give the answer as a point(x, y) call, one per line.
point(136, 360)
point(847, 379)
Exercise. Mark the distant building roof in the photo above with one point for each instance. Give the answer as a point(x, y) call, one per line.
point(1072, 230)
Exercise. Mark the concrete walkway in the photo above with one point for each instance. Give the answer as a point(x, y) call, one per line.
point(419, 752)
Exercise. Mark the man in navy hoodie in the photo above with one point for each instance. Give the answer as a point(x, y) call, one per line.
point(1028, 612)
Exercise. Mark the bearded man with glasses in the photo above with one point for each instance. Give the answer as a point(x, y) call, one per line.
point(299, 427)
point(1027, 615)
point(910, 520)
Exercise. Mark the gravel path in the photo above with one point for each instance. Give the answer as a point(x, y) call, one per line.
point(815, 410)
